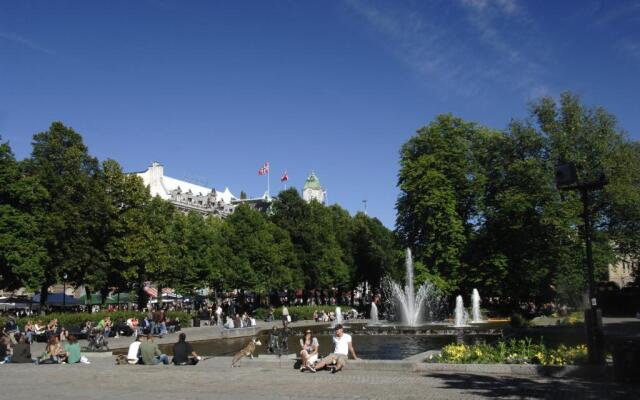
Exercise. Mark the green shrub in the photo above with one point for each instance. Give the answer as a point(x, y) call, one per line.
point(511, 352)
point(518, 321)
point(77, 319)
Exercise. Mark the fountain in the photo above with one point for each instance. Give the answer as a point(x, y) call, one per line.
point(461, 315)
point(411, 304)
point(374, 313)
point(338, 319)
point(476, 317)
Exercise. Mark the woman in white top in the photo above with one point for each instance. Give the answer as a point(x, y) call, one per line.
point(309, 352)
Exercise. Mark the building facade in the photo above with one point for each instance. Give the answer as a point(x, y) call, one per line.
point(187, 196)
point(623, 271)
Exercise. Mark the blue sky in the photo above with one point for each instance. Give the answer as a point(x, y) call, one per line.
point(214, 89)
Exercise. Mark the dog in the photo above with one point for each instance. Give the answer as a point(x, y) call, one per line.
point(246, 351)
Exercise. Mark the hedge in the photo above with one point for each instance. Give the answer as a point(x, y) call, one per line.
point(77, 319)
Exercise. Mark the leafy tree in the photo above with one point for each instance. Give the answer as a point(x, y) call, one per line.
point(310, 226)
point(61, 163)
point(374, 250)
point(260, 253)
point(440, 185)
point(22, 252)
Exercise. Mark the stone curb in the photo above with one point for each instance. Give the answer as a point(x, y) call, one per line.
point(573, 371)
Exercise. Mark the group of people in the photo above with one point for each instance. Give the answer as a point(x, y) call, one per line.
point(145, 351)
point(309, 353)
point(17, 349)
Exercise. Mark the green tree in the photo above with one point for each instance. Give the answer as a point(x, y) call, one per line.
point(61, 163)
point(260, 254)
point(310, 226)
point(22, 252)
point(440, 183)
point(374, 251)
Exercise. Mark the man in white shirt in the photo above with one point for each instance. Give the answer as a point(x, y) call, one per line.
point(342, 346)
point(134, 349)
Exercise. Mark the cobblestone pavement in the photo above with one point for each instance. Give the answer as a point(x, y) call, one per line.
point(214, 379)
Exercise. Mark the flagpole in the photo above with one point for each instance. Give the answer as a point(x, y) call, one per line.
point(268, 179)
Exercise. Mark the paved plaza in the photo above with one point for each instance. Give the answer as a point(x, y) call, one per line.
point(261, 379)
point(213, 378)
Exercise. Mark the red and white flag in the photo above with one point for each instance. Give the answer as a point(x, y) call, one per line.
point(285, 177)
point(264, 170)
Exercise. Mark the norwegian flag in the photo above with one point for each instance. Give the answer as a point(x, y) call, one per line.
point(264, 170)
point(285, 177)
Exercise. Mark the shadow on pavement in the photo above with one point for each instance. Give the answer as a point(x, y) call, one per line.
point(542, 388)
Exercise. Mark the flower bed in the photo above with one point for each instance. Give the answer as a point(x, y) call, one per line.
point(511, 352)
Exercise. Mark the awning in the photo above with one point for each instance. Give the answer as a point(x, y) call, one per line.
point(58, 299)
point(166, 292)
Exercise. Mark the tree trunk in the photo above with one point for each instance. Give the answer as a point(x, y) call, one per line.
point(87, 296)
point(141, 293)
point(104, 293)
point(44, 294)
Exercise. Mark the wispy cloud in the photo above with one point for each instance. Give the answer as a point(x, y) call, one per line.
point(460, 54)
point(15, 38)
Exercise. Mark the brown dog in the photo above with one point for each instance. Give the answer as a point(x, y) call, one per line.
point(246, 351)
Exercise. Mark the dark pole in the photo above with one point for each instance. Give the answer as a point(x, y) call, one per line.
point(567, 179)
point(589, 250)
point(64, 291)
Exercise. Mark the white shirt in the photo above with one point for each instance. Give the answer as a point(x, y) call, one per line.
point(133, 350)
point(341, 344)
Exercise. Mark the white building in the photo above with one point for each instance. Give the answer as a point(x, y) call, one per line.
point(312, 190)
point(188, 196)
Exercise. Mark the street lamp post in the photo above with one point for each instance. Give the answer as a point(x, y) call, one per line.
point(566, 179)
point(64, 291)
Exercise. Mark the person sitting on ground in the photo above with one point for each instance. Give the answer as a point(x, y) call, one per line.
point(343, 345)
point(105, 326)
point(64, 334)
point(183, 353)
point(151, 354)
point(5, 348)
point(133, 355)
point(87, 327)
point(54, 353)
point(39, 327)
point(52, 329)
point(72, 350)
point(22, 351)
point(133, 324)
point(237, 323)
point(309, 352)
point(29, 331)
